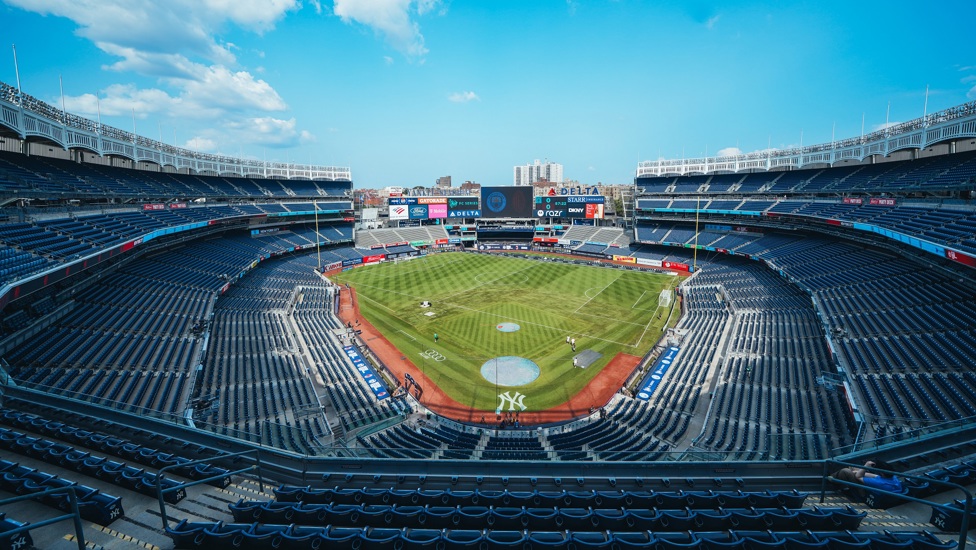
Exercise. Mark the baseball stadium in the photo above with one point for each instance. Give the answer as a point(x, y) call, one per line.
point(499, 370)
point(233, 315)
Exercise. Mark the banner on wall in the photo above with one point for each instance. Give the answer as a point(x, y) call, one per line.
point(437, 211)
point(372, 380)
point(399, 212)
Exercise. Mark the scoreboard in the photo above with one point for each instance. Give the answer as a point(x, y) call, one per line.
point(506, 202)
point(570, 206)
point(551, 207)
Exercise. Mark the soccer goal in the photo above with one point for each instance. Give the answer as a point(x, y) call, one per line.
point(667, 295)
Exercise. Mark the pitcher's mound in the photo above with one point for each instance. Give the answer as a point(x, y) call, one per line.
point(510, 370)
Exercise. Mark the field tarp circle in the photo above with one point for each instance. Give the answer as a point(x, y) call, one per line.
point(510, 370)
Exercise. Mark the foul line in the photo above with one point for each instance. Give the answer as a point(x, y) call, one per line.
point(639, 298)
point(597, 294)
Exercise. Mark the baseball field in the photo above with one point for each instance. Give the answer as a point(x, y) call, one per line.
point(502, 323)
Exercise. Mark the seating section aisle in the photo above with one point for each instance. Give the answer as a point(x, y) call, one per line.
point(127, 341)
point(767, 402)
point(348, 392)
point(255, 367)
point(902, 330)
point(627, 430)
point(134, 338)
point(676, 401)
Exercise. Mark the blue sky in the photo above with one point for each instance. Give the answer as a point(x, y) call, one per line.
point(404, 91)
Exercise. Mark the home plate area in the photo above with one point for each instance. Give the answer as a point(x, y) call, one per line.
point(586, 358)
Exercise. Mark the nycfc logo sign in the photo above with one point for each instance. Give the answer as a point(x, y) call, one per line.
point(512, 401)
point(496, 202)
point(433, 355)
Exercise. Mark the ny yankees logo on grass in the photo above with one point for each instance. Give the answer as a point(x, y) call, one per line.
point(512, 401)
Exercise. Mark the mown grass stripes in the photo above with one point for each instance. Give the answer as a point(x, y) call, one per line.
point(606, 310)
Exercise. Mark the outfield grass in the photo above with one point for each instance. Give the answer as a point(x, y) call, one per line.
point(606, 310)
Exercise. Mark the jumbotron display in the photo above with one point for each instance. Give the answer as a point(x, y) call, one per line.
point(506, 202)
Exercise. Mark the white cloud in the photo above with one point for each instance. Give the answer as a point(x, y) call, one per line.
point(214, 91)
point(463, 97)
point(883, 125)
point(427, 6)
point(161, 65)
point(220, 87)
point(150, 26)
point(122, 100)
point(258, 15)
point(166, 40)
point(388, 60)
point(269, 132)
point(710, 24)
point(176, 42)
point(572, 5)
point(729, 152)
point(971, 94)
point(390, 18)
point(202, 144)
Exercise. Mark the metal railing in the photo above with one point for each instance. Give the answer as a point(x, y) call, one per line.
point(74, 514)
point(966, 510)
point(160, 492)
point(901, 438)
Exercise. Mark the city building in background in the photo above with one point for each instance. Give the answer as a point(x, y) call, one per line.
point(529, 174)
point(470, 187)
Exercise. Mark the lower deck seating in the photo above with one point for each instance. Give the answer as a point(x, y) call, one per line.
point(101, 442)
point(93, 505)
point(581, 498)
point(68, 457)
point(22, 540)
point(256, 535)
point(303, 517)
